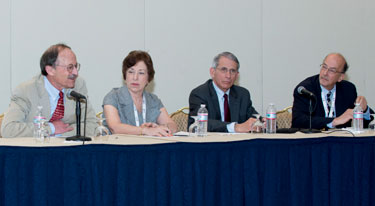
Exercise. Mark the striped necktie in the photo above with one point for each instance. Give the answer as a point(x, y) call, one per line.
point(329, 103)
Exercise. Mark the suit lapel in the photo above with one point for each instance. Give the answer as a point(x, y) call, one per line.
point(129, 111)
point(319, 107)
point(214, 100)
point(340, 108)
point(234, 105)
point(149, 105)
point(43, 97)
point(127, 103)
point(70, 105)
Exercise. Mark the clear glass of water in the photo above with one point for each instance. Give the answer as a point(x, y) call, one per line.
point(371, 125)
point(101, 132)
point(258, 126)
point(193, 129)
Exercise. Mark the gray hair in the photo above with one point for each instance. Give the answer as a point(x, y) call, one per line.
point(227, 55)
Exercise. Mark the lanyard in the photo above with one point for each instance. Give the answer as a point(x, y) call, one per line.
point(325, 104)
point(143, 111)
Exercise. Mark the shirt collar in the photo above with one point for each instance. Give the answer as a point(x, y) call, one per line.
point(51, 90)
point(220, 92)
point(326, 91)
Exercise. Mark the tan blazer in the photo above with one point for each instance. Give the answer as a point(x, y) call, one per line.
point(18, 119)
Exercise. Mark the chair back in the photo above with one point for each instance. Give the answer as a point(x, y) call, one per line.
point(1, 121)
point(180, 117)
point(284, 118)
point(99, 115)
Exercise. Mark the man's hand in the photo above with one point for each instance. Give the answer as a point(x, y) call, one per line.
point(244, 127)
point(344, 118)
point(362, 101)
point(61, 127)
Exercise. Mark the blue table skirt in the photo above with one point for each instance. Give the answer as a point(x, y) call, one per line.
point(318, 171)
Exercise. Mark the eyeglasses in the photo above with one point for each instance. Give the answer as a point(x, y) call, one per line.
point(330, 70)
point(70, 67)
point(224, 70)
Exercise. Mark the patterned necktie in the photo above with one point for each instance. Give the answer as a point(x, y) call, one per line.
point(59, 111)
point(329, 101)
point(226, 109)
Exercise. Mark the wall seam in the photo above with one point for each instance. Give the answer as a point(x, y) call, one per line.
point(10, 47)
point(262, 52)
point(144, 25)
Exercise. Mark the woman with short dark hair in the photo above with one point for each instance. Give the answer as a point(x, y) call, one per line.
point(132, 110)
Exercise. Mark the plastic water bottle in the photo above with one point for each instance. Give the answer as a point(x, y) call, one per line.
point(358, 118)
point(271, 119)
point(38, 120)
point(202, 121)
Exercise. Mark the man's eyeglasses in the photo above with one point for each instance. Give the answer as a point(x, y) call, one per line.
point(70, 67)
point(330, 70)
point(225, 70)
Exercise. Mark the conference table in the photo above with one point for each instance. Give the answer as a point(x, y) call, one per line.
point(219, 169)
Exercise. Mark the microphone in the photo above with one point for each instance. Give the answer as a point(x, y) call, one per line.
point(77, 96)
point(303, 90)
point(72, 94)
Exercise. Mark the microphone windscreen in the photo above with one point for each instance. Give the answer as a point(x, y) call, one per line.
point(68, 91)
point(299, 89)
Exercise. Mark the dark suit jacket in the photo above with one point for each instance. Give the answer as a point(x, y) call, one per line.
point(240, 106)
point(346, 95)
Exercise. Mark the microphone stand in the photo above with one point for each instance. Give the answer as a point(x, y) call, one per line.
point(310, 130)
point(78, 136)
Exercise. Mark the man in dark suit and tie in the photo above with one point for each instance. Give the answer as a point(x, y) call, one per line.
point(229, 106)
point(335, 98)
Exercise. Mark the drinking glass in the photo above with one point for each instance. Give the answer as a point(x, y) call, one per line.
point(371, 125)
point(258, 126)
point(193, 129)
point(101, 132)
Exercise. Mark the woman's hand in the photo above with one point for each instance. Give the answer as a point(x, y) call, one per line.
point(149, 124)
point(153, 129)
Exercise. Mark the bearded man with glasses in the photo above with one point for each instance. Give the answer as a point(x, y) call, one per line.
point(335, 98)
point(229, 106)
point(59, 72)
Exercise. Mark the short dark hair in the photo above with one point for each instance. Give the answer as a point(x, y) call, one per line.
point(49, 57)
point(346, 67)
point(133, 58)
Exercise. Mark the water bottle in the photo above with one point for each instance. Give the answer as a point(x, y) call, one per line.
point(202, 121)
point(271, 119)
point(358, 118)
point(43, 134)
point(38, 121)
